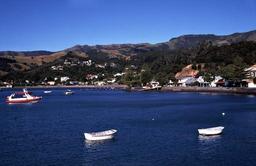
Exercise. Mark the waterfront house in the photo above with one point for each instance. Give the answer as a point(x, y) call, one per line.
point(217, 82)
point(73, 83)
point(51, 83)
point(111, 81)
point(170, 84)
point(186, 81)
point(250, 76)
point(64, 79)
point(251, 83)
point(99, 83)
point(202, 82)
point(251, 71)
point(186, 77)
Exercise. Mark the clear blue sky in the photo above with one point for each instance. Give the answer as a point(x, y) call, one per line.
point(57, 24)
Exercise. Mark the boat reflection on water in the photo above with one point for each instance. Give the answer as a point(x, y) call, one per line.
point(96, 146)
point(209, 145)
point(213, 138)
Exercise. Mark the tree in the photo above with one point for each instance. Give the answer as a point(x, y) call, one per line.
point(145, 77)
point(162, 78)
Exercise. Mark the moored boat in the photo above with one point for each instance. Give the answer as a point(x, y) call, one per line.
point(22, 97)
point(68, 92)
point(150, 88)
point(211, 131)
point(47, 91)
point(153, 85)
point(103, 135)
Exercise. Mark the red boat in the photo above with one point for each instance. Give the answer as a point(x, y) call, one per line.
point(22, 97)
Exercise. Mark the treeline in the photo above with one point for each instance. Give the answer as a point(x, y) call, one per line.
point(228, 61)
point(162, 64)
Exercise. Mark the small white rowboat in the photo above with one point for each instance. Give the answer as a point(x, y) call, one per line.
point(68, 92)
point(103, 135)
point(47, 91)
point(211, 131)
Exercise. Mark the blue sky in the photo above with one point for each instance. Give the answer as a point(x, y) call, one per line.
point(57, 24)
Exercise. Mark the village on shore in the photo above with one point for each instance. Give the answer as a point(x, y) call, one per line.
point(188, 79)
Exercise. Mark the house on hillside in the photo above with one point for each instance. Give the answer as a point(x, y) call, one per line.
point(87, 63)
point(111, 81)
point(91, 76)
point(119, 74)
point(102, 66)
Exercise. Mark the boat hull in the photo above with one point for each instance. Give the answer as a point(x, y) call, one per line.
point(152, 89)
point(211, 131)
point(20, 101)
point(69, 93)
point(97, 136)
point(91, 138)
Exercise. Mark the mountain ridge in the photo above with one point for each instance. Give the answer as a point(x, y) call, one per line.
point(173, 43)
point(28, 60)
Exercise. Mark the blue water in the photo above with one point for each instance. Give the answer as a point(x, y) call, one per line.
point(153, 129)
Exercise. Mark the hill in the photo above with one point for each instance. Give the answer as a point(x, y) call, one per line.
point(167, 58)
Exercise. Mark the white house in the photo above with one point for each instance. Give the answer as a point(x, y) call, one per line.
point(101, 66)
point(170, 83)
point(53, 67)
point(251, 71)
point(202, 82)
point(154, 84)
point(51, 83)
point(215, 81)
point(251, 74)
point(251, 84)
point(64, 79)
point(91, 76)
point(111, 81)
point(186, 81)
point(100, 83)
point(87, 63)
point(118, 74)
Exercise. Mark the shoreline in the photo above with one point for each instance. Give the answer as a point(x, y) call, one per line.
point(235, 90)
point(124, 87)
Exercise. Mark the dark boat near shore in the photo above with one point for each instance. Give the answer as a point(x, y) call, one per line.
point(148, 88)
point(152, 86)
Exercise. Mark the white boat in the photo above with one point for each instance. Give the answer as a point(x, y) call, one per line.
point(153, 85)
point(69, 92)
point(22, 97)
point(103, 135)
point(211, 131)
point(47, 91)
